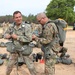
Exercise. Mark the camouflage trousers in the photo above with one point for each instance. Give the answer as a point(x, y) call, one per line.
point(50, 66)
point(49, 56)
point(13, 59)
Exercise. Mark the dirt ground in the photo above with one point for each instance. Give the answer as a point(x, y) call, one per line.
point(60, 69)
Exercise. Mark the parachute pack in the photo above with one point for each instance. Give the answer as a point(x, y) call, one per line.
point(62, 28)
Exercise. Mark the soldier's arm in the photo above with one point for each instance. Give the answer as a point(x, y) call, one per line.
point(7, 34)
point(49, 32)
point(27, 37)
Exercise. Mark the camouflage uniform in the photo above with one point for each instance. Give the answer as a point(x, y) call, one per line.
point(50, 46)
point(24, 37)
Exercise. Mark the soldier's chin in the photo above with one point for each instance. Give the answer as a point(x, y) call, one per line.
point(18, 23)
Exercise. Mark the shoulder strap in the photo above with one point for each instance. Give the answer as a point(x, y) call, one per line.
point(54, 26)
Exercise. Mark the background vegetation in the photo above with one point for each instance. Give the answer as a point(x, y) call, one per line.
point(55, 9)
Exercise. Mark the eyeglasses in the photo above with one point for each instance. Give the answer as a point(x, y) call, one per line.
point(41, 19)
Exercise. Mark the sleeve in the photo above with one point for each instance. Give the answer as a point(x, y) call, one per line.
point(49, 33)
point(27, 37)
point(8, 31)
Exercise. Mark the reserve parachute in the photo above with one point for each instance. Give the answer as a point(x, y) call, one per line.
point(62, 28)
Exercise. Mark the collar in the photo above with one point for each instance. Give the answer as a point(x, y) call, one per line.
point(46, 23)
point(20, 26)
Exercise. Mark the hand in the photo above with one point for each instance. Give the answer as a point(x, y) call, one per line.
point(14, 36)
point(7, 36)
point(34, 37)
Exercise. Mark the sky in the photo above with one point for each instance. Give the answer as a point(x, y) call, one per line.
point(7, 7)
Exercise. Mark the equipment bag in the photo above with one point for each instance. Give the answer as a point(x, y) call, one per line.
point(1, 61)
point(66, 61)
point(10, 47)
point(26, 50)
point(62, 28)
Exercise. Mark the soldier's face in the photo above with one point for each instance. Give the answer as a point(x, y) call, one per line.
point(41, 21)
point(17, 18)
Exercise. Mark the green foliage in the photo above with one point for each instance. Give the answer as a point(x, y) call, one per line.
point(8, 18)
point(61, 9)
point(31, 18)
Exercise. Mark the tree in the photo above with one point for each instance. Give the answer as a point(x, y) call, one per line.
point(8, 18)
point(31, 18)
point(61, 9)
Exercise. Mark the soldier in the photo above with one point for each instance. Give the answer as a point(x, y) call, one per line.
point(20, 35)
point(49, 41)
